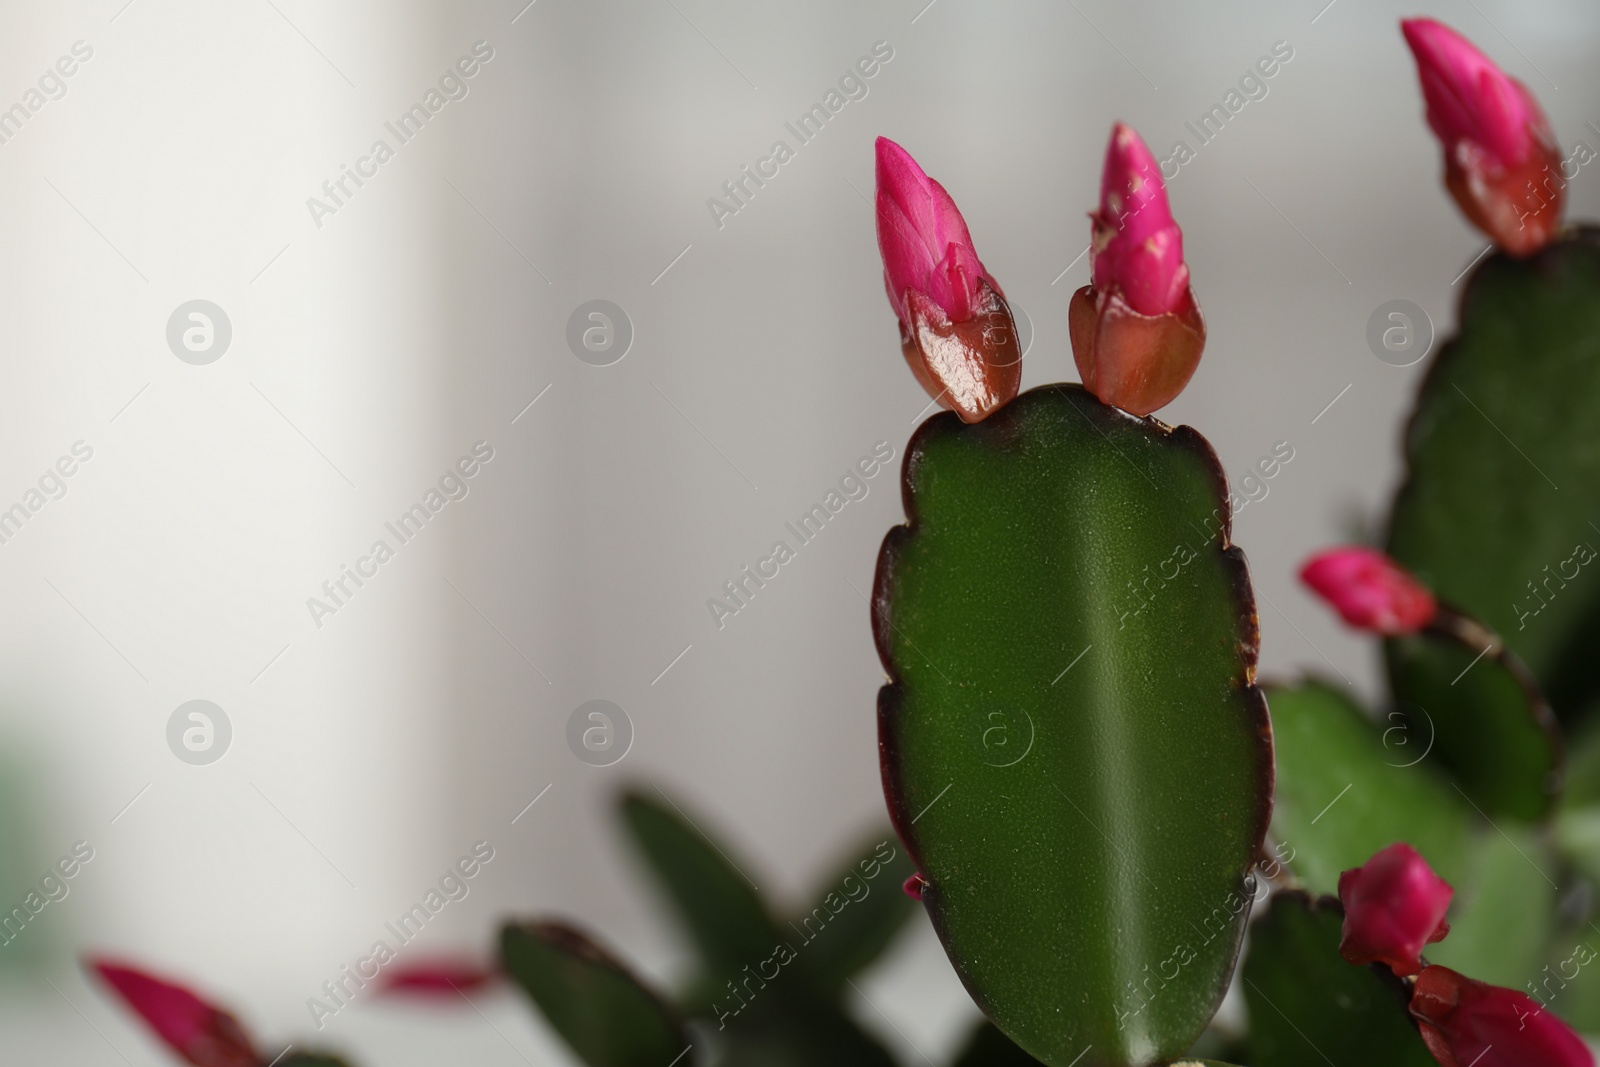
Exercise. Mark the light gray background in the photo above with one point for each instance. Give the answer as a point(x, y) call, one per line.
point(369, 353)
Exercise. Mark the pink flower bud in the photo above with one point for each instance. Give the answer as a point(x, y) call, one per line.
point(923, 238)
point(201, 1033)
point(913, 886)
point(1467, 1023)
point(1138, 249)
point(956, 330)
point(443, 978)
point(1501, 160)
point(1370, 590)
point(1136, 330)
point(1393, 906)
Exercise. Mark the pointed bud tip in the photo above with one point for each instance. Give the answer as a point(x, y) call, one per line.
point(1369, 590)
point(1137, 247)
point(957, 332)
point(1136, 330)
point(1502, 165)
point(1469, 97)
point(923, 238)
point(1394, 905)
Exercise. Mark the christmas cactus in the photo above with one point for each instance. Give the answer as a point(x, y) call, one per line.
point(1091, 800)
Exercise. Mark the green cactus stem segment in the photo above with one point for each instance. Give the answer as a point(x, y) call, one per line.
point(1073, 747)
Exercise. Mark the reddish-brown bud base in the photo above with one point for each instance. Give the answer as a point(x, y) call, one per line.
point(1136, 362)
point(970, 367)
point(1518, 208)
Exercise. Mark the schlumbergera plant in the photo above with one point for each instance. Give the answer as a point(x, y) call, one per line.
point(1089, 793)
point(1074, 747)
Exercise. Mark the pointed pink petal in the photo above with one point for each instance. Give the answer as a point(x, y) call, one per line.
point(1474, 1024)
point(201, 1033)
point(918, 225)
point(442, 978)
point(1469, 98)
point(1138, 248)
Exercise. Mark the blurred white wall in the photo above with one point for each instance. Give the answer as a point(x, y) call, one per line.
point(373, 346)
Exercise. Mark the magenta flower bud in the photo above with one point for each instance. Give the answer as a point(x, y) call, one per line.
point(923, 238)
point(1138, 249)
point(446, 978)
point(1136, 330)
point(1370, 590)
point(956, 331)
point(1467, 1023)
point(204, 1035)
point(1393, 906)
point(1501, 160)
point(912, 886)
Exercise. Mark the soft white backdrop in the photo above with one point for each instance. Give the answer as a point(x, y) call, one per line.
point(371, 351)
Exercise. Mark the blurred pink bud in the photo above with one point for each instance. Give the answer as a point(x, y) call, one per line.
point(1393, 906)
point(1467, 1023)
point(442, 978)
point(913, 886)
point(1501, 160)
point(956, 331)
point(1136, 329)
point(1370, 590)
point(201, 1033)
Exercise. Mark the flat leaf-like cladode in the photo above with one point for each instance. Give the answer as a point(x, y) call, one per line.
point(1496, 514)
point(1073, 746)
point(1307, 1005)
point(607, 1016)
